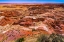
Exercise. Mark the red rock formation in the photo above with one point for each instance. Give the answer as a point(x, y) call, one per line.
point(11, 13)
point(6, 20)
point(15, 34)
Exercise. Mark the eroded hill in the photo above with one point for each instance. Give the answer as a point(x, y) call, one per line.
point(22, 20)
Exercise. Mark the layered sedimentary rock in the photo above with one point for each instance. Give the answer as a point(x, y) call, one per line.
point(26, 20)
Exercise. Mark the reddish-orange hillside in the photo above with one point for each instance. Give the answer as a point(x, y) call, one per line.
point(22, 20)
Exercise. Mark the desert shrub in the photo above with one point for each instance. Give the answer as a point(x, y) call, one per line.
point(42, 38)
point(57, 39)
point(20, 40)
point(50, 38)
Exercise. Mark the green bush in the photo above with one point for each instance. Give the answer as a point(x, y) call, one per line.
point(56, 39)
point(20, 40)
point(42, 38)
point(51, 38)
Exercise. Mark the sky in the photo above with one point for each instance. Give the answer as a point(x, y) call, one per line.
point(31, 1)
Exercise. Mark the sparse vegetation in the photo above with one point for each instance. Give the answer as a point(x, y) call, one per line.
point(20, 40)
point(51, 38)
